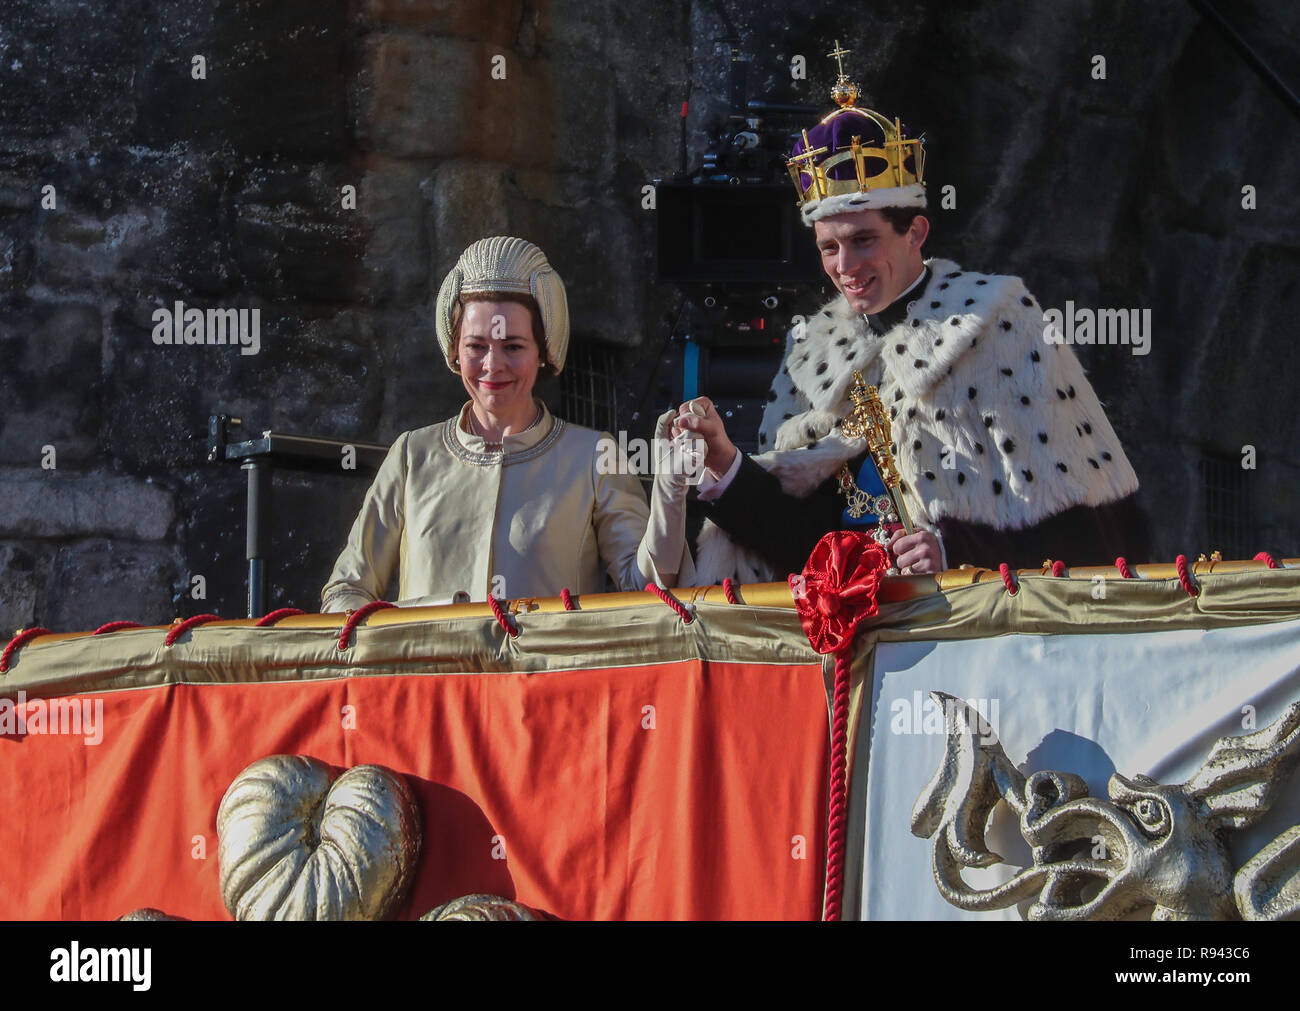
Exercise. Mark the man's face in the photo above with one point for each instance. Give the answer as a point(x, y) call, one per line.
point(869, 262)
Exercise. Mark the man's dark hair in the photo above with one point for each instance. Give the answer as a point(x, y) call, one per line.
point(900, 217)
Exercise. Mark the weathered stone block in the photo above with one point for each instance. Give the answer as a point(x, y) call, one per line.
point(391, 202)
point(97, 581)
point(420, 389)
point(87, 238)
point(467, 203)
point(586, 130)
point(293, 253)
point(581, 31)
point(490, 22)
point(275, 82)
point(40, 342)
point(408, 105)
point(437, 98)
point(66, 72)
point(55, 504)
point(22, 587)
point(24, 435)
point(332, 361)
point(117, 220)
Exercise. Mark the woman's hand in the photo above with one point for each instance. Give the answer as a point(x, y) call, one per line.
point(676, 462)
point(664, 545)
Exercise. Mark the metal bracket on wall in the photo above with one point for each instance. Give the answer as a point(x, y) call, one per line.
point(257, 456)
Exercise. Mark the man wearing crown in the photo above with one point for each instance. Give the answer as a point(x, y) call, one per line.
point(998, 450)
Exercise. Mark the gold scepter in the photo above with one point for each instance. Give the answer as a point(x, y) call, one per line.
point(868, 421)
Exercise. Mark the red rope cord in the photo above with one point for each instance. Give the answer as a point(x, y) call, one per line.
point(114, 626)
point(1122, 564)
point(1184, 577)
point(503, 619)
point(181, 627)
point(671, 601)
point(1058, 568)
point(272, 617)
point(18, 642)
point(1267, 559)
point(566, 598)
point(1005, 571)
point(358, 616)
point(837, 825)
point(729, 591)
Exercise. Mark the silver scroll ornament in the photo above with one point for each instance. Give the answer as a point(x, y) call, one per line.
point(1147, 845)
point(481, 907)
point(148, 914)
point(296, 843)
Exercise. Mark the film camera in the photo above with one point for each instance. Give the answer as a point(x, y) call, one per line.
point(730, 237)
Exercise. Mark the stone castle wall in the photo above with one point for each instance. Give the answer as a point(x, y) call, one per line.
point(228, 191)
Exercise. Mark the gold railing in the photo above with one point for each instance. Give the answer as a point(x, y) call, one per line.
point(894, 589)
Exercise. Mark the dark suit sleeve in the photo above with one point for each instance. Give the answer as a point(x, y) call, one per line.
point(758, 514)
point(1082, 535)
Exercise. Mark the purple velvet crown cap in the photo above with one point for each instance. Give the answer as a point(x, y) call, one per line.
point(837, 135)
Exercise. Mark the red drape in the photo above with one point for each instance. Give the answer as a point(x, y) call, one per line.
point(682, 790)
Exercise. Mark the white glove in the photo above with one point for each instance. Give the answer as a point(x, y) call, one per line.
point(679, 462)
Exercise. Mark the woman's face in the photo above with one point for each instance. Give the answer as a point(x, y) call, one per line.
point(498, 357)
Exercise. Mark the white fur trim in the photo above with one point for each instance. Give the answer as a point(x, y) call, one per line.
point(717, 557)
point(801, 470)
point(1039, 432)
point(912, 195)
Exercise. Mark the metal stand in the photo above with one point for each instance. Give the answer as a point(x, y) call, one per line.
point(258, 457)
point(259, 514)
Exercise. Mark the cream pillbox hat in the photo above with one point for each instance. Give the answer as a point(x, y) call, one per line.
point(507, 264)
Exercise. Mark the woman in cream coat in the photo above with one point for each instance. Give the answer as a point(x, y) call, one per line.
point(506, 499)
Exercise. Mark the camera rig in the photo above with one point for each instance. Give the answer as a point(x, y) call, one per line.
point(730, 238)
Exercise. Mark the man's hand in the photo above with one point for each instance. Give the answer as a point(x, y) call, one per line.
point(915, 553)
point(721, 452)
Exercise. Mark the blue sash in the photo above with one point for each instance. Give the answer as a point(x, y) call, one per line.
point(869, 481)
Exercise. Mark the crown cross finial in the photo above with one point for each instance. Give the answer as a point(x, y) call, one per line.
point(798, 162)
point(839, 55)
point(845, 92)
point(809, 152)
point(808, 156)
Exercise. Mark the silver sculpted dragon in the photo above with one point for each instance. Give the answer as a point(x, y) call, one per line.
point(1146, 845)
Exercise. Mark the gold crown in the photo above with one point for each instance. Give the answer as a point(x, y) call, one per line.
point(893, 152)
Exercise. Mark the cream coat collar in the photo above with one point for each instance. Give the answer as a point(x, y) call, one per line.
point(531, 442)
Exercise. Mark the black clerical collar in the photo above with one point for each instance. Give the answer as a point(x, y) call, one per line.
point(894, 313)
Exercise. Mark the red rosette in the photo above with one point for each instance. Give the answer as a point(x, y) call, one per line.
point(838, 587)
